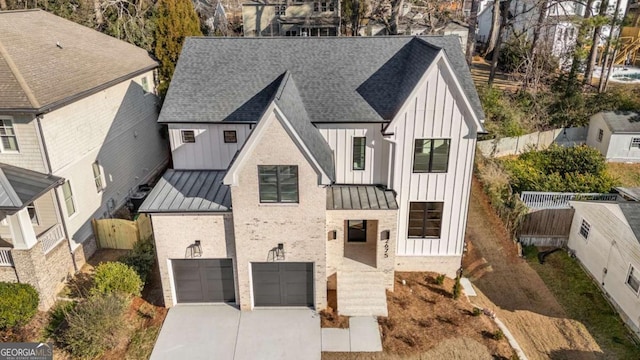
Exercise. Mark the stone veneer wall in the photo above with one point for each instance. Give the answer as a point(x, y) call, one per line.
point(84, 251)
point(173, 233)
point(47, 273)
point(8, 274)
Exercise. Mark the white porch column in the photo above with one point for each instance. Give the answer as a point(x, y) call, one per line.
point(22, 233)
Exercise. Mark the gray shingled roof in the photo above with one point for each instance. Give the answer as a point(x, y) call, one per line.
point(354, 79)
point(360, 197)
point(621, 121)
point(631, 211)
point(189, 191)
point(19, 187)
point(36, 74)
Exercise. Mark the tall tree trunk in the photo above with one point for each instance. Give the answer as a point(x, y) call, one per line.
point(593, 53)
point(496, 52)
point(3, 4)
point(471, 37)
point(495, 28)
point(537, 29)
point(603, 76)
point(572, 83)
point(395, 16)
point(97, 8)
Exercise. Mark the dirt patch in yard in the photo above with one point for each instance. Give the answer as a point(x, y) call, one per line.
point(505, 282)
point(329, 317)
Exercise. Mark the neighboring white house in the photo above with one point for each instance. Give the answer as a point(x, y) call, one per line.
point(560, 33)
point(78, 129)
point(616, 135)
point(606, 239)
point(308, 165)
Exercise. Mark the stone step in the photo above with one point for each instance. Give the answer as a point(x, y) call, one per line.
point(361, 294)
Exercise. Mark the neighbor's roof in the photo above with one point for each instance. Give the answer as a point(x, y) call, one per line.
point(631, 211)
point(621, 121)
point(19, 187)
point(360, 197)
point(189, 191)
point(37, 75)
point(339, 79)
point(632, 193)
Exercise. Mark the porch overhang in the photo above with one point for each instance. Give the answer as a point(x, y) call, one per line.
point(20, 187)
point(360, 197)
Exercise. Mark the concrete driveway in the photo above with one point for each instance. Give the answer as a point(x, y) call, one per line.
point(223, 332)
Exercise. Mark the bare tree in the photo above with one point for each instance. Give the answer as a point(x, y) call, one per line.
point(593, 53)
point(503, 24)
point(471, 37)
point(3, 4)
point(396, 8)
point(602, 85)
point(495, 28)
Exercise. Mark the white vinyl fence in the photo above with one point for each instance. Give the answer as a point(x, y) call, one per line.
point(537, 140)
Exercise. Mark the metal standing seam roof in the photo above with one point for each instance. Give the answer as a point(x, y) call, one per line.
point(360, 197)
point(19, 187)
point(189, 191)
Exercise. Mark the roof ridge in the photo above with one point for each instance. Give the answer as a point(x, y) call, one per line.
point(16, 73)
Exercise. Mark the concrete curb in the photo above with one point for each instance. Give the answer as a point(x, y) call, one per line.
point(512, 341)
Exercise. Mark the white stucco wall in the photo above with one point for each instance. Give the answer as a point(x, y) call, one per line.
point(118, 128)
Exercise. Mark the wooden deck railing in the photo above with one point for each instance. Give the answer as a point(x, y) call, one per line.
point(5, 257)
point(557, 200)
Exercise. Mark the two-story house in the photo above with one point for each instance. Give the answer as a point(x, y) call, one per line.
point(78, 132)
point(291, 18)
point(303, 166)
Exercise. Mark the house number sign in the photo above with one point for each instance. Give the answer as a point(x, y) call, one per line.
point(386, 248)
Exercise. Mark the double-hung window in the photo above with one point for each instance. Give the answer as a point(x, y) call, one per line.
point(33, 215)
point(278, 183)
point(635, 143)
point(600, 135)
point(633, 280)
point(425, 219)
point(359, 152)
point(68, 198)
point(431, 155)
point(8, 138)
point(97, 176)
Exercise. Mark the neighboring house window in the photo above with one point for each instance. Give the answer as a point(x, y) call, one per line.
point(230, 136)
point(97, 176)
point(359, 148)
point(585, 227)
point(357, 231)
point(633, 280)
point(8, 136)
point(431, 155)
point(188, 136)
point(278, 183)
point(316, 6)
point(600, 135)
point(145, 84)
point(635, 143)
point(324, 6)
point(281, 9)
point(332, 6)
point(68, 198)
point(425, 219)
point(31, 209)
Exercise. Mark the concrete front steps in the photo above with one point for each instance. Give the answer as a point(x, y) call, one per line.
point(361, 293)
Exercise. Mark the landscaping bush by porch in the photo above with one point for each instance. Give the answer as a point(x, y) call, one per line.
point(116, 277)
point(141, 258)
point(18, 304)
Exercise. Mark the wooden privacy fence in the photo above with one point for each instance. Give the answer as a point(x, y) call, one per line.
point(120, 233)
point(548, 227)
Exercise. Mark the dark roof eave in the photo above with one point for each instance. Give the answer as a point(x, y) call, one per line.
point(168, 211)
point(75, 97)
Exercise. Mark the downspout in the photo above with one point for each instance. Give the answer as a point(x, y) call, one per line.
point(47, 165)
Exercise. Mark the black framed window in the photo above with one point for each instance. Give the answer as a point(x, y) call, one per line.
point(278, 183)
point(188, 136)
point(357, 231)
point(359, 152)
point(431, 155)
point(230, 136)
point(425, 219)
point(600, 135)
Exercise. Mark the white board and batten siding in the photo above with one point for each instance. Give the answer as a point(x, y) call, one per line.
point(436, 111)
point(340, 136)
point(209, 151)
point(610, 244)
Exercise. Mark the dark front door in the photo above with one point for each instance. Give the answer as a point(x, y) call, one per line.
point(282, 284)
point(203, 280)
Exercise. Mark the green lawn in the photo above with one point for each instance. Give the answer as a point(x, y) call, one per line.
point(583, 301)
point(627, 175)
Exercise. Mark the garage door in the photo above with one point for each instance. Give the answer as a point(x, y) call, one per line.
point(203, 280)
point(282, 284)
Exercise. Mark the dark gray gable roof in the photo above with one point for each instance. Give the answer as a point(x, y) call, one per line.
point(189, 191)
point(631, 211)
point(342, 79)
point(288, 100)
point(622, 121)
point(19, 187)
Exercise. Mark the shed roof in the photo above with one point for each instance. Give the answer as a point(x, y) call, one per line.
point(621, 121)
point(189, 191)
point(19, 187)
point(360, 197)
point(46, 61)
point(354, 79)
